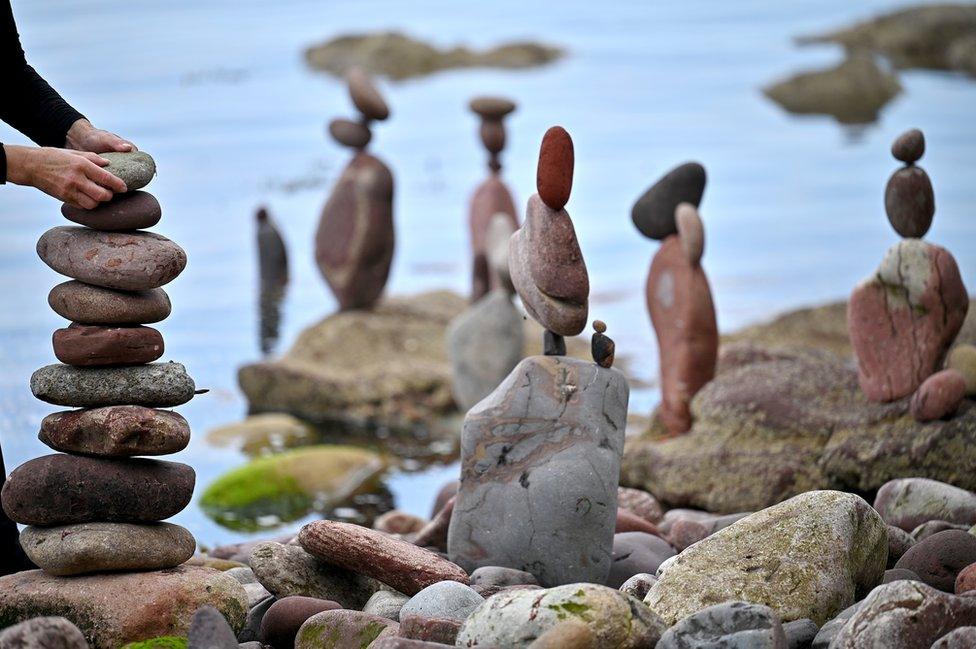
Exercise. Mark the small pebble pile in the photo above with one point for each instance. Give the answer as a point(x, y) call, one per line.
point(95, 506)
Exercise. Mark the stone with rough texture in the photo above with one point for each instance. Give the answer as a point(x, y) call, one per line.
point(429, 629)
point(492, 197)
point(554, 173)
point(399, 564)
point(939, 396)
point(641, 503)
point(115, 609)
point(910, 502)
point(355, 239)
point(965, 580)
point(209, 630)
point(570, 633)
point(43, 633)
point(903, 318)
point(107, 547)
point(896, 574)
point(800, 633)
point(365, 95)
point(126, 261)
point(129, 211)
point(84, 489)
point(962, 638)
point(905, 614)
point(484, 344)
point(736, 625)
point(342, 629)
point(548, 269)
point(635, 553)
point(638, 585)
point(285, 617)
point(962, 358)
point(87, 304)
point(516, 618)
point(808, 557)
point(445, 599)
point(157, 385)
point(116, 431)
point(898, 543)
point(939, 559)
point(909, 147)
point(926, 530)
point(501, 576)
point(910, 202)
point(654, 211)
point(135, 168)
point(540, 458)
point(349, 133)
point(386, 603)
point(396, 642)
point(288, 570)
point(92, 346)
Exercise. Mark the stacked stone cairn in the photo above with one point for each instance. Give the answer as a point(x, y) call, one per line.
point(540, 455)
point(272, 279)
point(355, 239)
point(492, 197)
point(679, 299)
point(95, 505)
point(904, 317)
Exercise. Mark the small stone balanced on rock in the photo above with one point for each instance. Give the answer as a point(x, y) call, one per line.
point(95, 507)
point(679, 299)
point(540, 456)
point(355, 239)
point(903, 318)
point(492, 197)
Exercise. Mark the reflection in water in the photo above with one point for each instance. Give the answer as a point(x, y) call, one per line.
point(273, 274)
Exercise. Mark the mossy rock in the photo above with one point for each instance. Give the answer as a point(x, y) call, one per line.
point(289, 485)
point(166, 642)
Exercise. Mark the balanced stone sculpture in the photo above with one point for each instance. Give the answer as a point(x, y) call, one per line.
point(903, 318)
point(679, 298)
point(492, 197)
point(96, 505)
point(540, 455)
point(355, 239)
point(273, 279)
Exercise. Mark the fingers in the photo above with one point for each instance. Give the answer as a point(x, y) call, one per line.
point(94, 157)
point(105, 179)
point(80, 199)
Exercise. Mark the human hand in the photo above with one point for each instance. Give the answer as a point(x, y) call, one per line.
point(75, 177)
point(82, 136)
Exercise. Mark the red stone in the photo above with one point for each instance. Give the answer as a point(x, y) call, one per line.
point(554, 175)
point(490, 198)
point(90, 346)
point(628, 521)
point(966, 579)
point(939, 396)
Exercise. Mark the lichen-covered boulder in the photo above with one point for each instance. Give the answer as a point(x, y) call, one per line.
point(808, 557)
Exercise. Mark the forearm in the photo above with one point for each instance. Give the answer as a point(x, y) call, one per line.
point(37, 110)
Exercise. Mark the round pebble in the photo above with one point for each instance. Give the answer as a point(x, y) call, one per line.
point(898, 574)
point(909, 146)
point(157, 385)
point(940, 558)
point(282, 621)
point(445, 599)
point(910, 202)
point(691, 231)
point(135, 168)
point(599, 326)
point(962, 358)
point(365, 95)
point(350, 133)
point(939, 396)
point(116, 431)
point(554, 175)
point(493, 135)
point(129, 211)
point(91, 345)
point(87, 304)
point(493, 108)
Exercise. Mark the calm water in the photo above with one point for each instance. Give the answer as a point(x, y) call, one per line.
point(219, 94)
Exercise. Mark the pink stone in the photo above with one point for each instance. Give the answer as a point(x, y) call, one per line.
point(490, 198)
point(939, 396)
point(680, 303)
point(903, 318)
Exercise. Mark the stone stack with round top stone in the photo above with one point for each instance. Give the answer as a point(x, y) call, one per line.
point(679, 298)
point(97, 504)
point(492, 197)
point(354, 241)
point(540, 455)
point(904, 318)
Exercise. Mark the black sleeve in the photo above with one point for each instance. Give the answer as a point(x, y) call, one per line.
point(27, 102)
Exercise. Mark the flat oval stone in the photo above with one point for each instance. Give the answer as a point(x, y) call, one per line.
point(654, 211)
point(92, 345)
point(88, 304)
point(157, 385)
point(691, 231)
point(116, 431)
point(365, 95)
point(129, 211)
point(67, 489)
point(939, 396)
point(554, 174)
point(349, 133)
point(135, 168)
point(128, 261)
point(909, 146)
point(493, 108)
point(910, 202)
point(104, 547)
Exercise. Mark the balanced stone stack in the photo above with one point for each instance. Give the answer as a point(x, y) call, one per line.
point(96, 505)
point(904, 318)
point(355, 239)
point(540, 455)
point(679, 299)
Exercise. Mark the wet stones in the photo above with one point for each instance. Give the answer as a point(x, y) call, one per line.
point(94, 305)
point(654, 212)
point(135, 168)
point(554, 173)
point(116, 431)
point(131, 211)
point(89, 345)
point(909, 199)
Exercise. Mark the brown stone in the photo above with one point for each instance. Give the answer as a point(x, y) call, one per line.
point(628, 521)
point(680, 303)
point(554, 174)
point(365, 95)
point(641, 503)
point(93, 345)
point(490, 198)
point(939, 559)
point(966, 580)
point(354, 241)
point(128, 261)
point(492, 108)
point(431, 629)
point(939, 396)
point(399, 522)
point(283, 619)
point(116, 431)
point(343, 629)
point(492, 135)
point(350, 133)
point(399, 564)
point(87, 304)
point(65, 489)
point(434, 533)
point(130, 211)
point(909, 146)
point(910, 202)
point(570, 633)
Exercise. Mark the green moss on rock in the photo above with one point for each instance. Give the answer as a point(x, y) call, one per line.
point(165, 642)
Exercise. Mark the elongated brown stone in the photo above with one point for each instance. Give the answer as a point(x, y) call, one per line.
point(365, 95)
point(116, 431)
point(91, 346)
point(88, 304)
point(399, 564)
point(554, 174)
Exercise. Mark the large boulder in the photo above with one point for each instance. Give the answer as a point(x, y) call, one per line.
point(808, 557)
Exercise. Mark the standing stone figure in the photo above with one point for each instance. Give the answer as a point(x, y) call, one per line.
point(903, 318)
point(679, 298)
point(354, 241)
point(272, 277)
point(540, 456)
point(492, 196)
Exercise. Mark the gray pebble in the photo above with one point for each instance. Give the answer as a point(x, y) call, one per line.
point(446, 599)
point(156, 385)
point(135, 168)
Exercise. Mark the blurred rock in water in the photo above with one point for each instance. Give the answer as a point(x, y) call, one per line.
point(398, 56)
point(273, 274)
